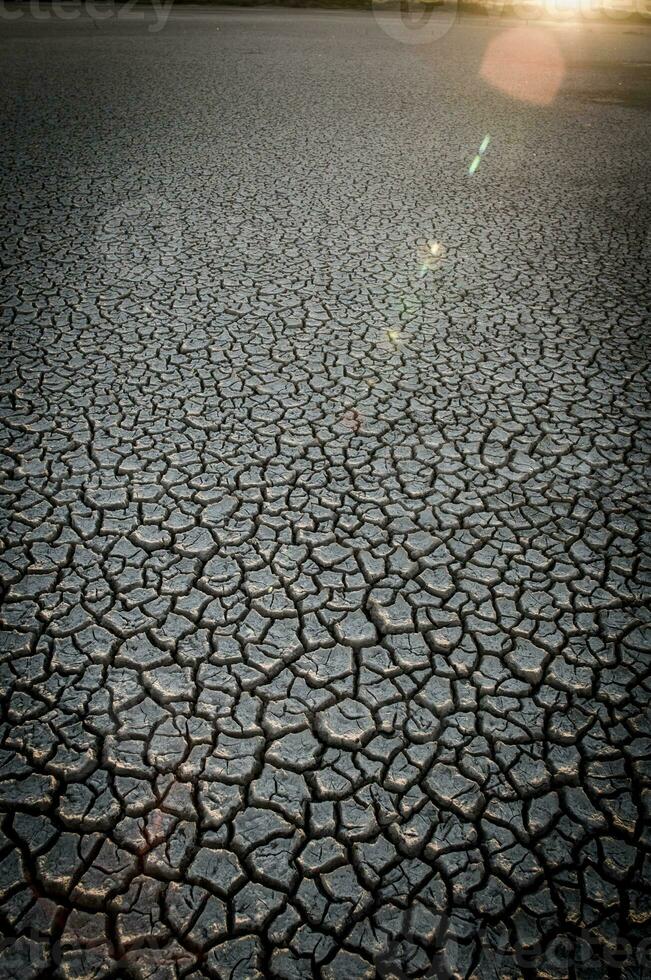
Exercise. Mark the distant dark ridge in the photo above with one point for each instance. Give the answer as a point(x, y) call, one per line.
point(494, 8)
point(615, 11)
point(339, 4)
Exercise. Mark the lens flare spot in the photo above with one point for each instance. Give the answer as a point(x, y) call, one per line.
point(430, 255)
point(352, 419)
point(475, 163)
point(524, 63)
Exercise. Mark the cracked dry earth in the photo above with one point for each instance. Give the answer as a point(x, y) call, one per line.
point(326, 645)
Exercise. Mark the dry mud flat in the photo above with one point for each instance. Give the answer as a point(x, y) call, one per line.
point(325, 481)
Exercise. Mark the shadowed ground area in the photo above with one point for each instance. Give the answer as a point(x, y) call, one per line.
point(325, 470)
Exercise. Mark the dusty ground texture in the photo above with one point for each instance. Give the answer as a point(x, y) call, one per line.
point(325, 473)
